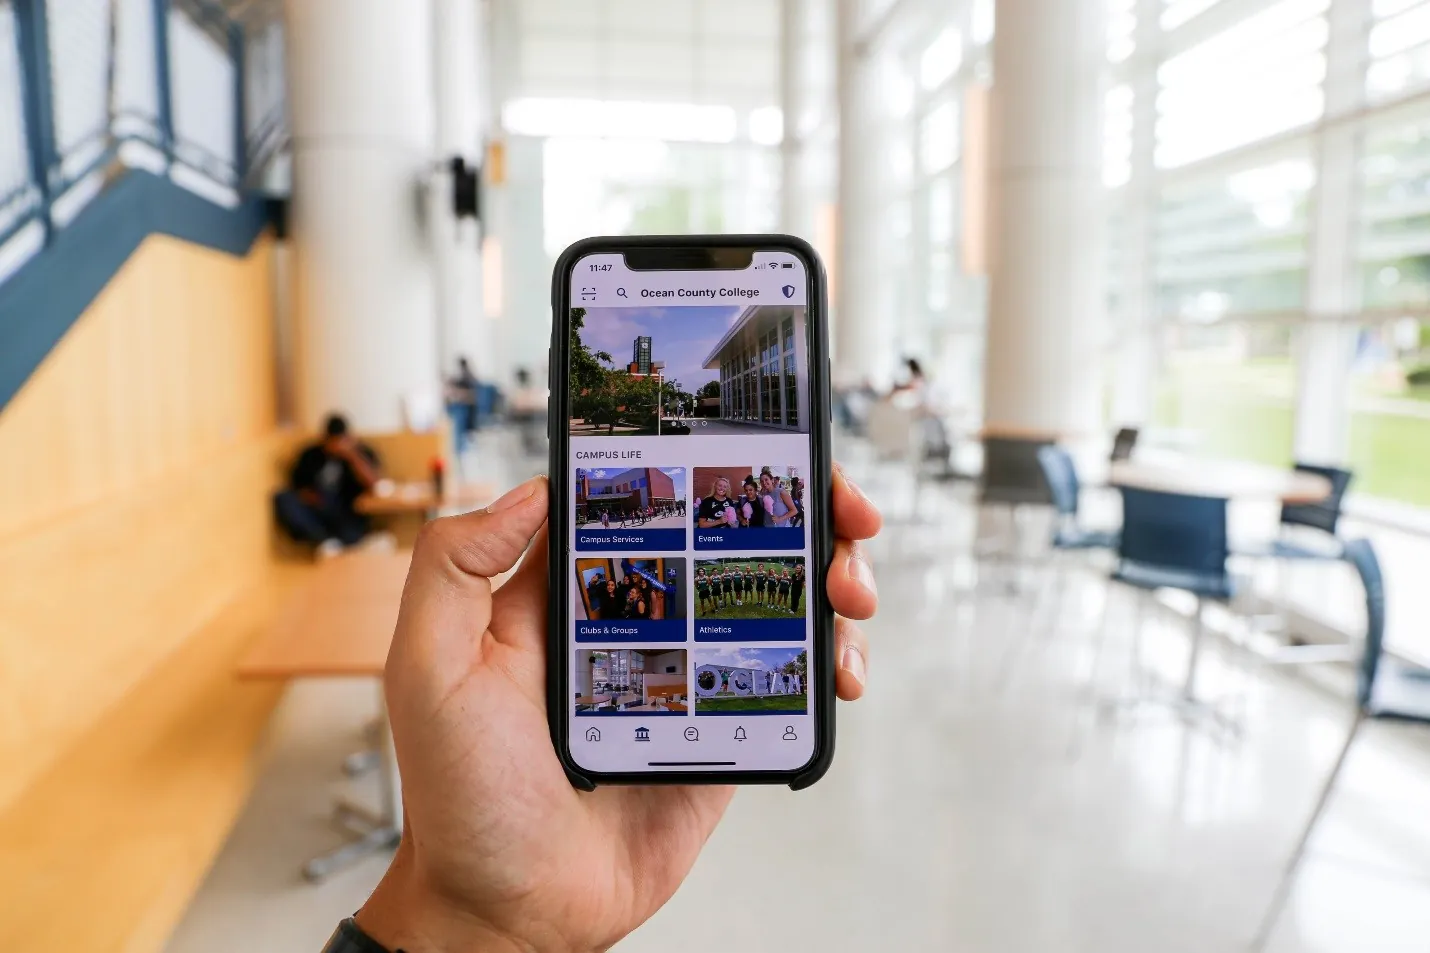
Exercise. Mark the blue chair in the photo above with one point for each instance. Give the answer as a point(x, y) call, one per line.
point(1323, 516)
point(1060, 473)
point(1385, 689)
point(1172, 541)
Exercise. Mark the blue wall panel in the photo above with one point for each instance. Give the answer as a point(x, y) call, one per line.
point(39, 303)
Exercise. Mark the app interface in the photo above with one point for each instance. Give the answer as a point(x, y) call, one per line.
point(689, 552)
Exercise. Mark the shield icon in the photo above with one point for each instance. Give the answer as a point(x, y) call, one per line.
point(788, 290)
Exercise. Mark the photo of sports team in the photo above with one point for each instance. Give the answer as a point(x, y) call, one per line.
point(750, 588)
point(744, 497)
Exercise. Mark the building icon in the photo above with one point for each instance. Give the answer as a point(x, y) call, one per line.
point(593, 734)
point(642, 734)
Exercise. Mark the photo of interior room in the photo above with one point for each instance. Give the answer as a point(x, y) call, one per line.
point(630, 681)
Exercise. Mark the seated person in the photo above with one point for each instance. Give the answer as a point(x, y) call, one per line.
point(318, 505)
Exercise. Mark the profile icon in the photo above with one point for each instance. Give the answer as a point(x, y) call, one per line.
point(789, 734)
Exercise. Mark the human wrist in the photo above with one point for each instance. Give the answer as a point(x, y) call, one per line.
point(404, 915)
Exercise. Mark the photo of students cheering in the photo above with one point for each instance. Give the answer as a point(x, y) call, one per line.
point(630, 589)
point(747, 498)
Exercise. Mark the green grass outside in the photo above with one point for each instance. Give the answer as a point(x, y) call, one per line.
point(787, 703)
point(750, 610)
point(1237, 411)
point(1246, 412)
point(1390, 455)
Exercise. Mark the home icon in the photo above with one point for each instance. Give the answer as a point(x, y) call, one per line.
point(593, 734)
point(642, 734)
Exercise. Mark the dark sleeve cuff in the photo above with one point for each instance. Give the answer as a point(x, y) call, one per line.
point(349, 938)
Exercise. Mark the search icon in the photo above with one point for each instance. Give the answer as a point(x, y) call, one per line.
point(621, 292)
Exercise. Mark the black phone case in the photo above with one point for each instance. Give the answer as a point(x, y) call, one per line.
point(822, 541)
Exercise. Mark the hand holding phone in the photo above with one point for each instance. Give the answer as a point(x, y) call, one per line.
point(464, 689)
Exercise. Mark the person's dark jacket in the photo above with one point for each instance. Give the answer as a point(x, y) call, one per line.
point(330, 476)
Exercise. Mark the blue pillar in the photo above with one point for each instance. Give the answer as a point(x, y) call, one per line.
point(236, 50)
point(34, 43)
point(161, 76)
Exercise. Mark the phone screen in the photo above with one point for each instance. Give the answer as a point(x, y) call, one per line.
point(690, 549)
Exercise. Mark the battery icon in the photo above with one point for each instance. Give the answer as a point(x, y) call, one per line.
point(788, 264)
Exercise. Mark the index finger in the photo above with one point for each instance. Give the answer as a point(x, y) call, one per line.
point(855, 515)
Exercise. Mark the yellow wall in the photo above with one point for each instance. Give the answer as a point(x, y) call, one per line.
point(134, 469)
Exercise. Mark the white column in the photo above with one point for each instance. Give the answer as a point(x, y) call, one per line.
point(458, 37)
point(524, 331)
point(1138, 325)
point(1325, 347)
point(360, 88)
point(1045, 327)
point(857, 322)
point(793, 213)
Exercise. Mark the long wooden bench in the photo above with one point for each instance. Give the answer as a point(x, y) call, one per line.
point(104, 843)
point(104, 851)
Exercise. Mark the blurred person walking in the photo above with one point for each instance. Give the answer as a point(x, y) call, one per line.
point(528, 412)
point(462, 405)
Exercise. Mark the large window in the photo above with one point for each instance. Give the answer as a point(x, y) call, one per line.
point(1227, 390)
point(1399, 42)
point(1394, 253)
point(1235, 242)
point(1252, 80)
point(648, 186)
point(1389, 400)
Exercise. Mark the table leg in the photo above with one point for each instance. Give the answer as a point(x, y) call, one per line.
point(361, 762)
point(1186, 705)
point(375, 831)
point(1189, 687)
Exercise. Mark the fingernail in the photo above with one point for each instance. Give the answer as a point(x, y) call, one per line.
point(514, 496)
point(862, 572)
point(853, 663)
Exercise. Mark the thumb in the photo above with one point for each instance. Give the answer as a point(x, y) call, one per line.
point(447, 602)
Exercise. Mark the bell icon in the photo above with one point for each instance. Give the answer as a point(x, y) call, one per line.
point(739, 734)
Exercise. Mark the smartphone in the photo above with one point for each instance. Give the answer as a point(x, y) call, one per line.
point(691, 527)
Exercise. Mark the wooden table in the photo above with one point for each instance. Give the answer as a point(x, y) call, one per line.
point(1219, 479)
point(418, 497)
point(341, 623)
point(1222, 479)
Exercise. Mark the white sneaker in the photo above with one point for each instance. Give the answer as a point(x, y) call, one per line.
point(379, 542)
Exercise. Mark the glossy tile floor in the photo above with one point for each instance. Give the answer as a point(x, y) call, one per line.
point(981, 800)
